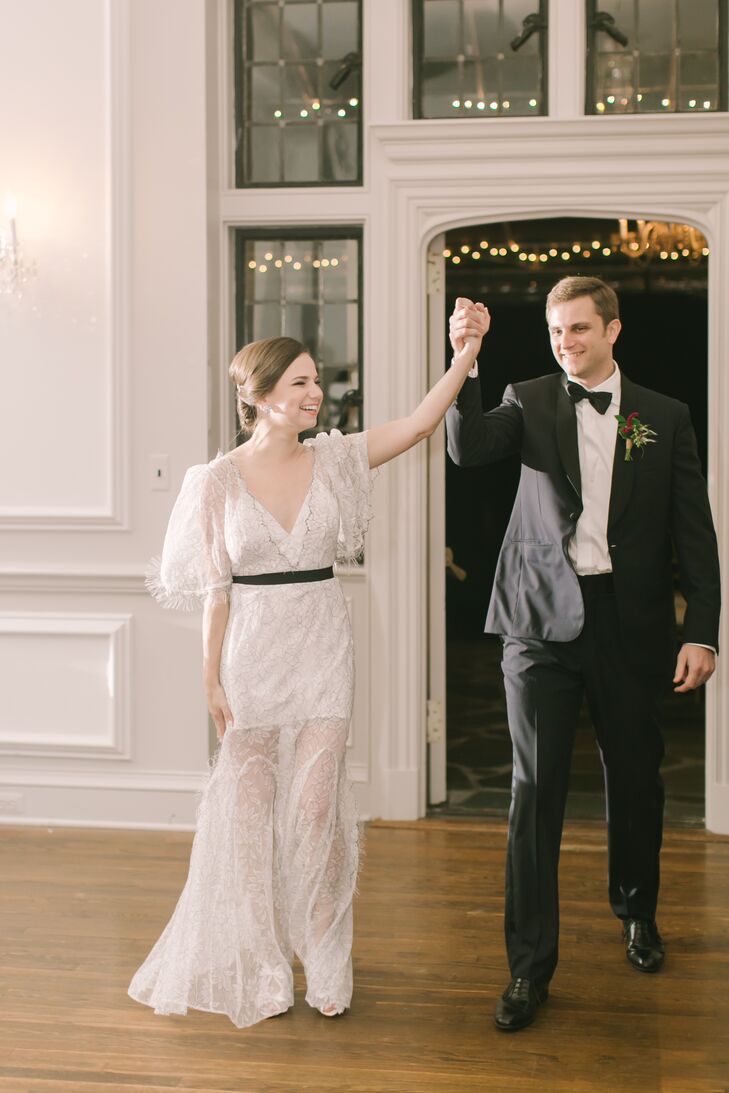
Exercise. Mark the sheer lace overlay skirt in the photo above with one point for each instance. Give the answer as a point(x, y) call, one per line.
point(272, 874)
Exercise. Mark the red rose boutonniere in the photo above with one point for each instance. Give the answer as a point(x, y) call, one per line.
point(634, 433)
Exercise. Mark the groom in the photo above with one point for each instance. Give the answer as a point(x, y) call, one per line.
point(583, 601)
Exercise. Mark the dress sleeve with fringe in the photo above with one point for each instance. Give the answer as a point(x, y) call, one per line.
point(347, 468)
point(194, 566)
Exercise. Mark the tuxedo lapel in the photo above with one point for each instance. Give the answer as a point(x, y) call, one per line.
point(623, 470)
point(567, 438)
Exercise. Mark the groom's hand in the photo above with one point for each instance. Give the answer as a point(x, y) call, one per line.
point(694, 666)
point(468, 320)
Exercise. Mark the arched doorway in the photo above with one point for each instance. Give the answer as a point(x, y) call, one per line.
point(658, 273)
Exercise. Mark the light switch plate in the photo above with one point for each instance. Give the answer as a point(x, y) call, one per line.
point(159, 472)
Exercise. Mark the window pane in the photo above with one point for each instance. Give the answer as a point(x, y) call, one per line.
point(442, 28)
point(339, 29)
point(265, 84)
point(307, 288)
point(671, 62)
point(466, 65)
point(264, 32)
point(264, 144)
point(339, 151)
point(301, 152)
point(288, 54)
point(698, 24)
point(300, 31)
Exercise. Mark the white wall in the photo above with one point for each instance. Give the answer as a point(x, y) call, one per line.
point(103, 364)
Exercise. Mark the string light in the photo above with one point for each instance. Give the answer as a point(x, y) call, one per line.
point(476, 254)
point(566, 255)
point(316, 105)
point(456, 259)
point(465, 249)
point(447, 253)
point(354, 102)
point(506, 104)
point(576, 248)
point(484, 244)
point(297, 265)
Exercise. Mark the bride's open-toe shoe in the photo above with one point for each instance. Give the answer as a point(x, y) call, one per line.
point(332, 1010)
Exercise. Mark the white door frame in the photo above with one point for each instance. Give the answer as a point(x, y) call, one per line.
point(432, 177)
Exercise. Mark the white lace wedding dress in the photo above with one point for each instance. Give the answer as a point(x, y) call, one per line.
point(274, 860)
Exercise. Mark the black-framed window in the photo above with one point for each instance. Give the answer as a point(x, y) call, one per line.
point(307, 284)
point(298, 98)
point(656, 56)
point(479, 58)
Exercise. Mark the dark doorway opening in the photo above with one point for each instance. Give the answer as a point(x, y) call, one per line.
point(660, 273)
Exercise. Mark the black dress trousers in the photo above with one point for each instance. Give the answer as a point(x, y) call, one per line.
point(545, 682)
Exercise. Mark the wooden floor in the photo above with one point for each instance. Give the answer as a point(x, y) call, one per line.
point(81, 908)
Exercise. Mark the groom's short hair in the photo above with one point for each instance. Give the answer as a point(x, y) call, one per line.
point(570, 288)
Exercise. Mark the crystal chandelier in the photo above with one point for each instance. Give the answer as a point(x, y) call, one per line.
point(15, 271)
point(658, 239)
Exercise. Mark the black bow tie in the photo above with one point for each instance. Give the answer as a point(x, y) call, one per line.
point(600, 400)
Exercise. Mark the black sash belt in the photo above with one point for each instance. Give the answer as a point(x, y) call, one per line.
point(288, 576)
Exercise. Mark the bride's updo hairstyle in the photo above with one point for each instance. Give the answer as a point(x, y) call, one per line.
point(256, 369)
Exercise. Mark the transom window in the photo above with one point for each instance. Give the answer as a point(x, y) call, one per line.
point(298, 92)
point(307, 285)
point(656, 56)
point(479, 58)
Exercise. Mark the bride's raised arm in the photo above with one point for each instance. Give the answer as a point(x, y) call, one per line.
point(386, 441)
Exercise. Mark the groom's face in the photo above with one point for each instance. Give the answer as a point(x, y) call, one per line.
point(581, 342)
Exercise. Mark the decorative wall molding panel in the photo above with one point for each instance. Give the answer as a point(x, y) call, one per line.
point(79, 578)
point(65, 685)
point(112, 453)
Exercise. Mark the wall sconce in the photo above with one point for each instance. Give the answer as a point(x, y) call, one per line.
point(15, 272)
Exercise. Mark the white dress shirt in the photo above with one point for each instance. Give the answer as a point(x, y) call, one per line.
point(596, 435)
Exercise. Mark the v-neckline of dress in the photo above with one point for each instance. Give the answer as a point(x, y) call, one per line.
point(257, 501)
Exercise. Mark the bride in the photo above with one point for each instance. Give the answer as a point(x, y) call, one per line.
point(253, 536)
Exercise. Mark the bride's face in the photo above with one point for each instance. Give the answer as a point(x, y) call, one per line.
point(296, 399)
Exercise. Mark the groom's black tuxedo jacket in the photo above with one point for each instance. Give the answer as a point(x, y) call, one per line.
point(658, 502)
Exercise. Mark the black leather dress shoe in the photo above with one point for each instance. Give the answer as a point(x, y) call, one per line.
point(517, 1006)
point(645, 945)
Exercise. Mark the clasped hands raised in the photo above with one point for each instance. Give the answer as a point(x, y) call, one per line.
point(469, 323)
